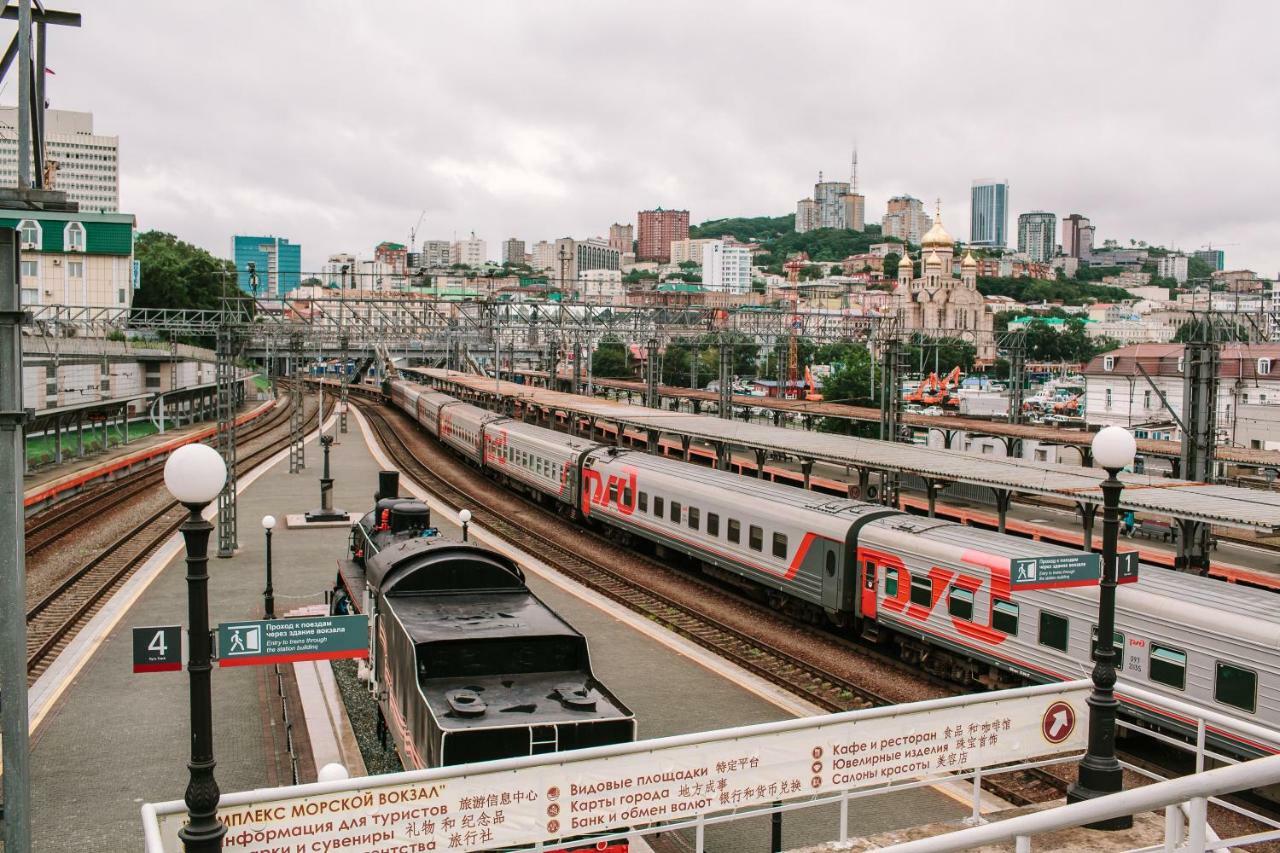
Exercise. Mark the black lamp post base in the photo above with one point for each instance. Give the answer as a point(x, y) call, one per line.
point(317, 515)
point(1078, 793)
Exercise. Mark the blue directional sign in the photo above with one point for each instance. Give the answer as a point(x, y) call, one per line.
point(1054, 572)
point(251, 643)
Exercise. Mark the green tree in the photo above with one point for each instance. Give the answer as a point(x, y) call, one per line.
point(855, 383)
point(891, 262)
point(176, 274)
point(610, 361)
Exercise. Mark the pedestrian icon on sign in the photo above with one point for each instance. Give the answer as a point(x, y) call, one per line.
point(245, 640)
point(1027, 571)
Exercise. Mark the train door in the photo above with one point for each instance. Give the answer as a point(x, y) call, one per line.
point(869, 589)
point(834, 595)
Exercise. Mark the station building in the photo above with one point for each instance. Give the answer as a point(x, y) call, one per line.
point(75, 258)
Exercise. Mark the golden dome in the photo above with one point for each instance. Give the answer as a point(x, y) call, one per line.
point(933, 260)
point(937, 237)
point(968, 261)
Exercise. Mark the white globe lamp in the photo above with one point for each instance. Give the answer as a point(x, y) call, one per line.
point(1114, 448)
point(194, 474)
point(268, 522)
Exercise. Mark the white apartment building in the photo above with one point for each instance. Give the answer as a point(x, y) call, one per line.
point(726, 268)
point(79, 259)
point(471, 252)
point(1172, 266)
point(81, 163)
point(543, 256)
point(340, 270)
point(437, 254)
point(1248, 405)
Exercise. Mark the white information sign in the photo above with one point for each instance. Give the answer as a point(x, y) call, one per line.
point(632, 785)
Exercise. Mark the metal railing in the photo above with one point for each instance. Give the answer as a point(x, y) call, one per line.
point(1185, 800)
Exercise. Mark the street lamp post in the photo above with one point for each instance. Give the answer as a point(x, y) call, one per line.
point(268, 594)
point(195, 474)
point(1100, 772)
point(464, 518)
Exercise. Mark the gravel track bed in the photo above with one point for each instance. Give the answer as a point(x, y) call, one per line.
point(363, 712)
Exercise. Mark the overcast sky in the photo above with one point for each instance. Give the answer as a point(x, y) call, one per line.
point(337, 124)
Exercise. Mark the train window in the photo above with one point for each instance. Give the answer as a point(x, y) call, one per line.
point(644, 501)
point(1118, 648)
point(735, 530)
point(713, 524)
point(1168, 666)
point(922, 591)
point(780, 545)
point(1004, 617)
point(626, 496)
point(831, 564)
point(613, 493)
point(755, 538)
point(1236, 687)
point(695, 516)
point(657, 506)
point(960, 603)
point(1054, 630)
point(675, 511)
point(890, 580)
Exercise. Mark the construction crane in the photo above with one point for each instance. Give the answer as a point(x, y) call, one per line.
point(413, 233)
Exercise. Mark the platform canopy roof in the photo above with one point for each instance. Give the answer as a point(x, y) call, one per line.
point(1227, 506)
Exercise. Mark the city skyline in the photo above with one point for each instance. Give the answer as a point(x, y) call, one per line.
point(515, 163)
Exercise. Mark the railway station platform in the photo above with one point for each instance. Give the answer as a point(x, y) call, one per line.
point(130, 730)
point(47, 485)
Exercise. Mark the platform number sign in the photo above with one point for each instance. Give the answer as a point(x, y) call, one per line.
point(157, 648)
point(1127, 567)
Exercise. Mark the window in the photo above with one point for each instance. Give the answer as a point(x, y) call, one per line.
point(1053, 630)
point(780, 545)
point(1146, 399)
point(30, 296)
point(1236, 687)
point(1108, 363)
point(613, 492)
point(1180, 361)
point(1168, 666)
point(1004, 617)
point(31, 269)
point(695, 517)
point(921, 591)
point(735, 530)
point(644, 501)
point(1264, 366)
point(831, 563)
point(890, 580)
point(1107, 399)
point(626, 496)
point(75, 269)
point(73, 237)
point(755, 538)
point(1118, 639)
point(713, 524)
point(30, 233)
point(657, 506)
point(675, 511)
point(960, 604)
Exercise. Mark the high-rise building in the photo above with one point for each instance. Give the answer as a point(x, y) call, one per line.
point(989, 213)
point(1215, 258)
point(835, 204)
point(394, 255)
point(806, 215)
point(513, 251)
point(657, 228)
point(1077, 236)
point(437, 254)
point(905, 219)
point(340, 271)
point(726, 268)
point(683, 251)
point(1173, 266)
point(855, 211)
point(79, 162)
point(543, 256)
point(622, 238)
point(1036, 232)
point(277, 265)
point(472, 252)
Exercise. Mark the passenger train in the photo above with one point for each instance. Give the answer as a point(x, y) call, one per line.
point(466, 662)
point(936, 591)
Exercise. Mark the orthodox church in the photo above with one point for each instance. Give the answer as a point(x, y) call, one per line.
point(938, 303)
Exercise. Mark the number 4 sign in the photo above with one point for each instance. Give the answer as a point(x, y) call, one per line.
point(157, 649)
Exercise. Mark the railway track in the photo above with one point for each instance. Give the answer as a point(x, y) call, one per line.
point(53, 621)
point(799, 677)
point(48, 526)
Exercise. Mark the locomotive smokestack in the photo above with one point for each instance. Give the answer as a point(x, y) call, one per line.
point(388, 485)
